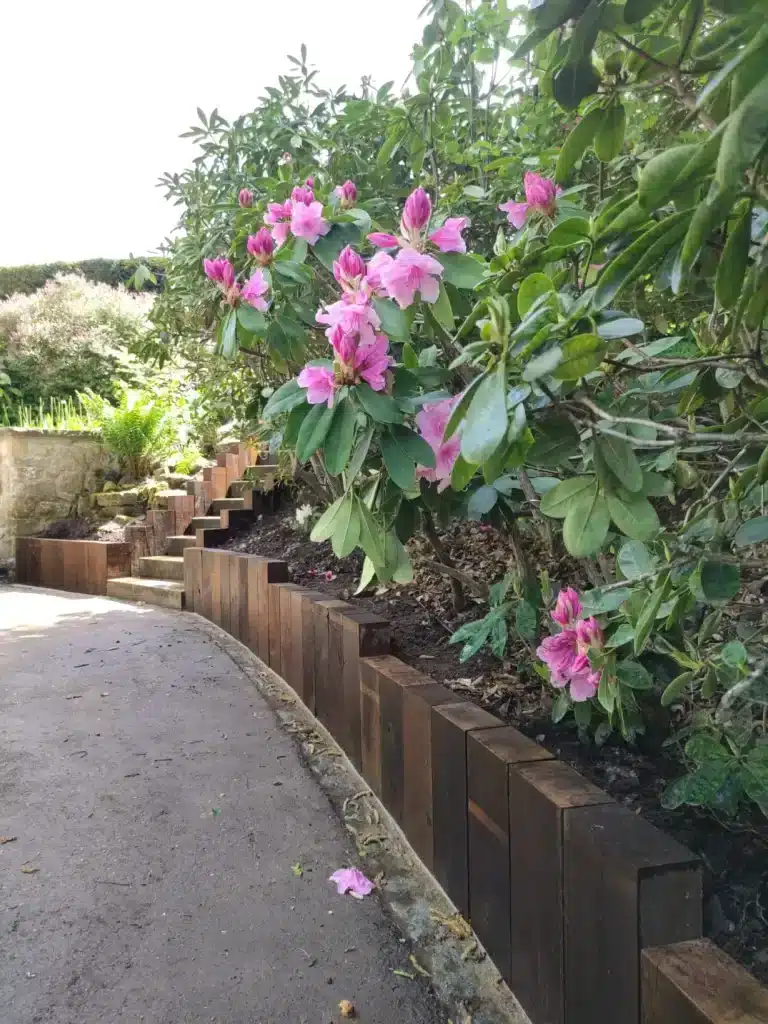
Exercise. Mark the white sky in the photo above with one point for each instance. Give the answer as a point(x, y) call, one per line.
point(96, 92)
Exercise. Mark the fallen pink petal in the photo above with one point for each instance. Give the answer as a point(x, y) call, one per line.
point(352, 881)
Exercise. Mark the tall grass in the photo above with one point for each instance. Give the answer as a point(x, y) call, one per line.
point(55, 414)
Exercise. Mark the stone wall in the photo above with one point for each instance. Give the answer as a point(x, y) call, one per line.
point(44, 476)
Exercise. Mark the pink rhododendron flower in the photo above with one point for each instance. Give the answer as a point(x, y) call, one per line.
point(559, 653)
point(432, 421)
point(349, 269)
point(352, 881)
point(448, 237)
point(347, 194)
point(309, 182)
point(254, 291)
point(377, 266)
point(416, 213)
point(307, 221)
point(353, 314)
point(567, 608)
point(540, 196)
point(303, 194)
point(412, 272)
point(583, 684)
point(383, 240)
point(372, 361)
point(279, 216)
point(220, 270)
point(261, 245)
point(245, 197)
point(320, 383)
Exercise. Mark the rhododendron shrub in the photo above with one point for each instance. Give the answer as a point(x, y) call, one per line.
point(547, 317)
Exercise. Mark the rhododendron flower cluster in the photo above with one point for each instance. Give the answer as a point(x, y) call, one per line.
point(301, 215)
point(540, 197)
point(222, 273)
point(261, 246)
point(346, 194)
point(361, 352)
point(254, 291)
point(417, 213)
point(432, 421)
point(566, 654)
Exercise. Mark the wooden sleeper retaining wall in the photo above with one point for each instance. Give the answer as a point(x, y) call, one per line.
point(83, 566)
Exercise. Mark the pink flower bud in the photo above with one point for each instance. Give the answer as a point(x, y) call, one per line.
point(220, 270)
point(261, 245)
point(347, 194)
point(309, 182)
point(286, 158)
point(227, 274)
point(302, 194)
point(568, 607)
point(383, 240)
point(245, 197)
point(589, 634)
point(417, 211)
point(349, 268)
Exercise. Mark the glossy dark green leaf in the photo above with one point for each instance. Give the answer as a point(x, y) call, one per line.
point(401, 468)
point(414, 446)
point(314, 431)
point(253, 320)
point(461, 270)
point(346, 533)
point(640, 256)
point(707, 216)
point(442, 310)
point(574, 82)
point(581, 355)
point(754, 531)
point(657, 178)
point(609, 137)
point(228, 335)
point(328, 247)
point(636, 10)
point(543, 364)
point(485, 424)
point(586, 523)
point(620, 458)
point(577, 143)
point(482, 501)
point(634, 515)
point(531, 289)
point(719, 581)
point(287, 397)
point(338, 443)
point(633, 675)
point(733, 262)
point(326, 524)
point(647, 616)
point(744, 137)
point(379, 406)
point(557, 501)
point(395, 322)
point(556, 439)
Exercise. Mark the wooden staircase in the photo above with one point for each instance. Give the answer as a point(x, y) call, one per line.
point(211, 511)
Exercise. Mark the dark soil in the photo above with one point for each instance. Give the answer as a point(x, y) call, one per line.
point(734, 853)
point(85, 529)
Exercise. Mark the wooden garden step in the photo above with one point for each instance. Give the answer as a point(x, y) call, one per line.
point(167, 593)
point(162, 567)
point(176, 544)
point(205, 523)
point(228, 503)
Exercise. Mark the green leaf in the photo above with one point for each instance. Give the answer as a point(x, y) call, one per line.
point(634, 515)
point(636, 10)
point(745, 134)
point(676, 688)
point(707, 216)
point(338, 444)
point(623, 635)
point(461, 270)
point(328, 247)
point(623, 327)
point(442, 310)
point(573, 83)
point(395, 322)
point(633, 675)
point(359, 456)
point(557, 501)
point(609, 137)
point(570, 231)
point(228, 335)
point(634, 559)
point(371, 536)
point(287, 397)
point(534, 286)
point(410, 359)
point(657, 179)
point(461, 474)
point(527, 620)
point(414, 446)
point(313, 431)
point(734, 653)
point(581, 354)
point(482, 501)
point(561, 707)
point(620, 458)
point(733, 262)
point(606, 692)
point(754, 774)
point(648, 613)
point(577, 143)
point(638, 257)
point(754, 531)
point(556, 440)
point(391, 144)
point(296, 272)
point(586, 523)
point(346, 532)
point(543, 364)
point(326, 524)
point(582, 712)
point(719, 581)
point(293, 424)
point(602, 600)
point(401, 468)
point(252, 320)
point(485, 424)
point(379, 406)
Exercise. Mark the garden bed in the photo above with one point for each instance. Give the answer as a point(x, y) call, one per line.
point(422, 618)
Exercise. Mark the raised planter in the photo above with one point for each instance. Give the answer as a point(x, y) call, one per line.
point(83, 566)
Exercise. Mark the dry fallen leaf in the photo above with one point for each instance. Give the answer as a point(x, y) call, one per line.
point(28, 870)
point(7, 839)
point(347, 1009)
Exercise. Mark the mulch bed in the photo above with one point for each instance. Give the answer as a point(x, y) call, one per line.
point(734, 853)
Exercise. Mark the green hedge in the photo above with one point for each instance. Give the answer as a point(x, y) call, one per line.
point(28, 279)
